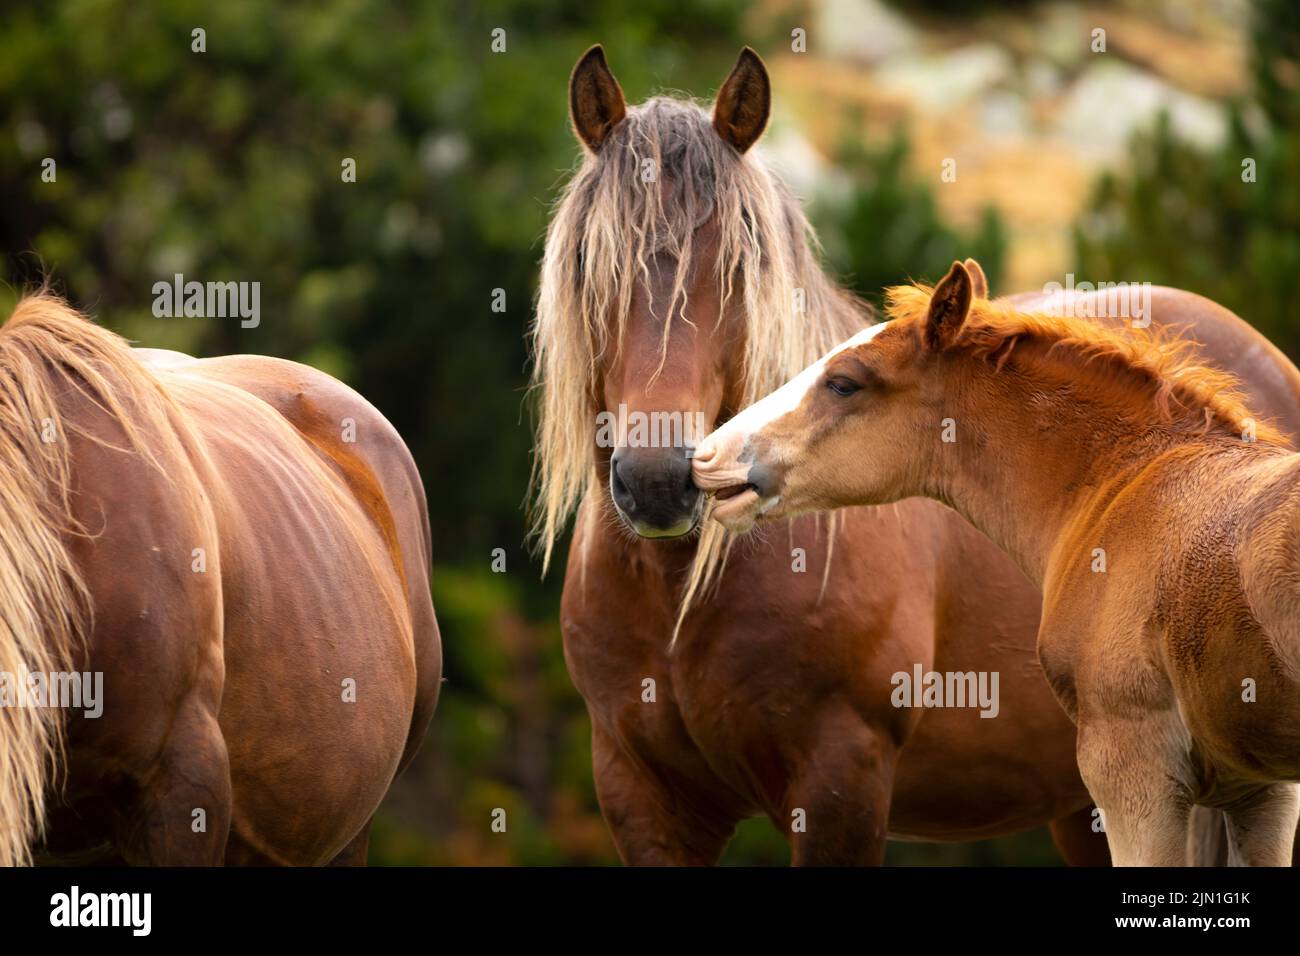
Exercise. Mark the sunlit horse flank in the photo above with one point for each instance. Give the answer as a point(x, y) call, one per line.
point(213, 538)
point(678, 293)
point(1179, 655)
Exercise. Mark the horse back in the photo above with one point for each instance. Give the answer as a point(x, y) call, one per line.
point(1220, 337)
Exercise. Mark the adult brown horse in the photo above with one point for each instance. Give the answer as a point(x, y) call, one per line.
point(679, 284)
point(678, 281)
point(1158, 511)
point(238, 549)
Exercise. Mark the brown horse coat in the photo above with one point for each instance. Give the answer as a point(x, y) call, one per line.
point(1113, 468)
point(253, 540)
point(674, 296)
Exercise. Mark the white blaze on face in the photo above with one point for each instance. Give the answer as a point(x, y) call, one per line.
point(728, 440)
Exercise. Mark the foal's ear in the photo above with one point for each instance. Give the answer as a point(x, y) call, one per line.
point(979, 283)
point(744, 102)
point(596, 103)
point(948, 307)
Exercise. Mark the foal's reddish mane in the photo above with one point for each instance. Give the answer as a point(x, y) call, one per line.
point(1153, 372)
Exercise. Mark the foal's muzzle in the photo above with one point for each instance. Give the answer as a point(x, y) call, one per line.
point(744, 486)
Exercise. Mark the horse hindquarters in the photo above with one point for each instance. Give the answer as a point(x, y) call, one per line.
point(345, 598)
point(321, 671)
point(380, 474)
point(154, 766)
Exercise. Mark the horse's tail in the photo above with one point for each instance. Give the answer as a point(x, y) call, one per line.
point(48, 351)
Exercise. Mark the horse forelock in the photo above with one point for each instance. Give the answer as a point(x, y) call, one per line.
point(48, 352)
point(662, 174)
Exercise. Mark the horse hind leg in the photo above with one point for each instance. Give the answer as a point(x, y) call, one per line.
point(180, 815)
point(356, 852)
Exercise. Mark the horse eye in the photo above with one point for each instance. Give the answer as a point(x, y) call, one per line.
point(842, 386)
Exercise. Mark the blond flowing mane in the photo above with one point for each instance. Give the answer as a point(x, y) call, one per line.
point(607, 225)
point(1152, 371)
point(48, 351)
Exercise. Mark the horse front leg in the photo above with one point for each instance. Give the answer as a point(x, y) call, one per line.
point(836, 810)
point(1262, 827)
point(650, 822)
point(1134, 770)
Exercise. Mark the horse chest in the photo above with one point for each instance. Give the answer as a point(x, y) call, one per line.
point(702, 705)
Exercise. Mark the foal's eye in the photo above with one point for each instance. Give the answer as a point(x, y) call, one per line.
point(842, 386)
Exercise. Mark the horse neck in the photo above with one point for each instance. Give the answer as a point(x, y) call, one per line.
point(1026, 465)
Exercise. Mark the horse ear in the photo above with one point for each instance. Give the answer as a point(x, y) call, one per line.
point(979, 283)
point(744, 102)
point(948, 307)
point(596, 103)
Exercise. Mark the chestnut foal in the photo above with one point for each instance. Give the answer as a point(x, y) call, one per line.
point(1158, 514)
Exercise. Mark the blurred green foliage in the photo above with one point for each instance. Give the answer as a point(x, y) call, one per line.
point(888, 230)
point(1184, 217)
point(226, 165)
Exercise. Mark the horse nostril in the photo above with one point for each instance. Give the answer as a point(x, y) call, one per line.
point(762, 479)
point(622, 494)
point(687, 485)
